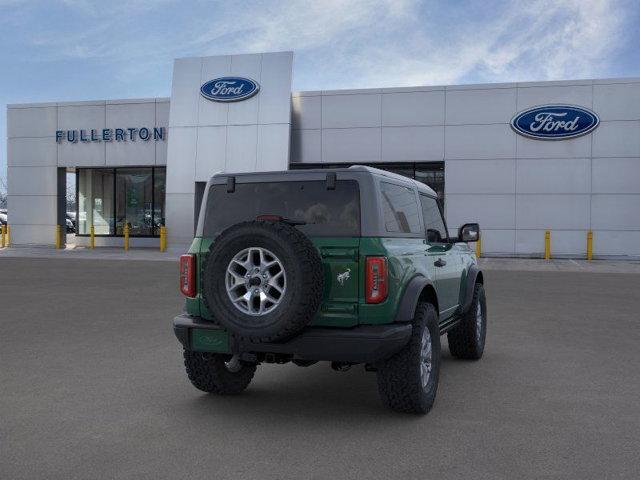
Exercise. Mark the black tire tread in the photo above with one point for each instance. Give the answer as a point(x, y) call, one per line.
point(398, 380)
point(462, 339)
point(207, 372)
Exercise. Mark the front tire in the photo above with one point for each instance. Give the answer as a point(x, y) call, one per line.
point(216, 373)
point(466, 340)
point(408, 381)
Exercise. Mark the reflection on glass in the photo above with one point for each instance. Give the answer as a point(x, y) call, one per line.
point(109, 198)
point(134, 193)
point(159, 189)
point(95, 201)
point(433, 176)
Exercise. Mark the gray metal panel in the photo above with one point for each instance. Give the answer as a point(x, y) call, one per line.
point(32, 180)
point(348, 145)
point(32, 121)
point(493, 105)
point(617, 101)
point(275, 85)
point(306, 112)
point(348, 111)
point(617, 139)
point(32, 152)
point(412, 144)
point(404, 109)
point(306, 146)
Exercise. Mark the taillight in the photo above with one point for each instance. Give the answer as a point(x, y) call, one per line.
point(376, 279)
point(188, 275)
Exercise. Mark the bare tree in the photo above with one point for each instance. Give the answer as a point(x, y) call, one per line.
point(71, 192)
point(3, 193)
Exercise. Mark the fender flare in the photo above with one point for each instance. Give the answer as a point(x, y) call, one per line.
point(410, 298)
point(472, 277)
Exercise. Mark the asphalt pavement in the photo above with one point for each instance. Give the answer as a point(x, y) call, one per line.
point(92, 386)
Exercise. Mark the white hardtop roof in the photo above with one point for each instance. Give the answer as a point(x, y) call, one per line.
point(396, 176)
point(421, 187)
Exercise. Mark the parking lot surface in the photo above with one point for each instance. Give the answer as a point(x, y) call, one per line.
point(92, 386)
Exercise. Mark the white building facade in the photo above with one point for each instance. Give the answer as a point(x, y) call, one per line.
point(144, 163)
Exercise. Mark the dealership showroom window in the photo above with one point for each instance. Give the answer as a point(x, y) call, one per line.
point(111, 198)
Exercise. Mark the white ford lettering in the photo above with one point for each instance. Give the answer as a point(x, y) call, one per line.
point(225, 88)
point(547, 122)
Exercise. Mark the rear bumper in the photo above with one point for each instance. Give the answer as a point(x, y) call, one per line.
point(361, 344)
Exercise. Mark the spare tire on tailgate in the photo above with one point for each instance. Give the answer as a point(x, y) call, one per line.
point(263, 281)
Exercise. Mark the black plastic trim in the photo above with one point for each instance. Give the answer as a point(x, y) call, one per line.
point(231, 184)
point(331, 181)
point(361, 344)
point(474, 271)
point(410, 298)
point(449, 323)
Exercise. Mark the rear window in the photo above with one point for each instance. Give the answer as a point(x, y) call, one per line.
point(327, 213)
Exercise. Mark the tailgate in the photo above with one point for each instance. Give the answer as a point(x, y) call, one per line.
point(341, 281)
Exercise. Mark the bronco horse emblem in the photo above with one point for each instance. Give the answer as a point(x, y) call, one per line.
point(344, 276)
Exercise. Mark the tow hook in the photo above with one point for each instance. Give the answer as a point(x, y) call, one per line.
point(341, 366)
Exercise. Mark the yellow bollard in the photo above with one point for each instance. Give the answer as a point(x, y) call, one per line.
point(163, 238)
point(547, 244)
point(92, 237)
point(58, 236)
point(8, 235)
point(589, 245)
point(478, 247)
point(3, 235)
point(126, 237)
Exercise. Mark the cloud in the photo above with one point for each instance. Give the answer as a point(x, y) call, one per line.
point(357, 43)
point(544, 40)
point(554, 39)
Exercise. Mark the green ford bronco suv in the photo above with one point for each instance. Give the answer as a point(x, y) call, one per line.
point(350, 265)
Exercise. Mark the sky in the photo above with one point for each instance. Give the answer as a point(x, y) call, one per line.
point(96, 49)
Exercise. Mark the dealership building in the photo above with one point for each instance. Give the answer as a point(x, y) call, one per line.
point(519, 158)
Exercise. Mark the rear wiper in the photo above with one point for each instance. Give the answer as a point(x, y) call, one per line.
point(278, 218)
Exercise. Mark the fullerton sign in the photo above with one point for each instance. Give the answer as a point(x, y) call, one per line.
point(111, 135)
point(555, 122)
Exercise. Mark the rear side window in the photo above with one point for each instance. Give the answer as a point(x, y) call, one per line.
point(400, 209)
point(433, 222)
point(327, 213)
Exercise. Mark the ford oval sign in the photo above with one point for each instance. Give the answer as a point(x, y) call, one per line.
point(555, 122)
point(229, 89)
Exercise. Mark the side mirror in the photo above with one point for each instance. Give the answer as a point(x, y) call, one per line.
point(469, 232)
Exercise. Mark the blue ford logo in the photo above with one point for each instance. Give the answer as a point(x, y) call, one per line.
point(555, 122)
point(229, 89)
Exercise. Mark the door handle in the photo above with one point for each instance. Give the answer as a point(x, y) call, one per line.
point(440, 263)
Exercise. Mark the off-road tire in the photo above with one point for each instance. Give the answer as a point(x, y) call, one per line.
point(465, 341)
point(303, 270)
point(399, 380)
point(208, 372)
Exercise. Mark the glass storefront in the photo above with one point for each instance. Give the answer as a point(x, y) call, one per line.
point(110, 198)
